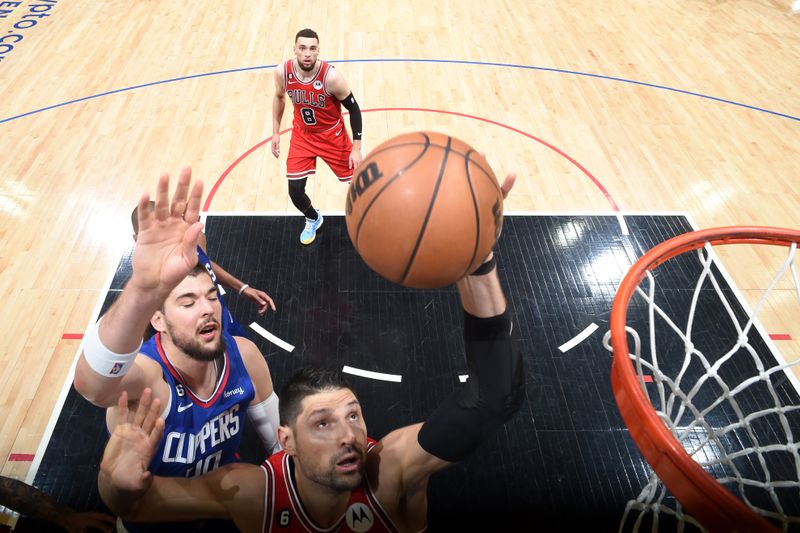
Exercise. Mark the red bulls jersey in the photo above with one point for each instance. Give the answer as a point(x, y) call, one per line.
point(284, 512)
point(315, 109)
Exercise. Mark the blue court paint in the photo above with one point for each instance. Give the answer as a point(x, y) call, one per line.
point(401, 60)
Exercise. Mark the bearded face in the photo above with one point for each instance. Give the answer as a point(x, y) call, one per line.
point(306, 50)
point(194, 344)
point(191, 318)
point(329, 440)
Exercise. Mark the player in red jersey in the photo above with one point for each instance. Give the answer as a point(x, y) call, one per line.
point(329, 475)
point(317, 92)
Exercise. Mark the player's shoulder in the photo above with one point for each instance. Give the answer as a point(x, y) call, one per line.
point(249, 351)
point(245, 344)
point(331, 72)
point(148, 364)
point(335, 83)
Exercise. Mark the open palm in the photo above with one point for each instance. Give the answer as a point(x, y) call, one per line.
point(165, 247)
point(133, 443)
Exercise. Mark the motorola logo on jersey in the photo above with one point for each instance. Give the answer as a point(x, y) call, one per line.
point(185, 447)
point(303, 97)
point(359, 517)
point(318, 85)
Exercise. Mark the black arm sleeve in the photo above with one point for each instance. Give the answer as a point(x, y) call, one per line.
point(493, 393)
point(355, 115)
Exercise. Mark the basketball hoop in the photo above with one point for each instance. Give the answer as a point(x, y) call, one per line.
point(673, 406)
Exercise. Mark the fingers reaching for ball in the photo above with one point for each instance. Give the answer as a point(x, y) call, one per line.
point(508, 183)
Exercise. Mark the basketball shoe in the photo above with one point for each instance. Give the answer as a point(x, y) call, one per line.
point(310, 231)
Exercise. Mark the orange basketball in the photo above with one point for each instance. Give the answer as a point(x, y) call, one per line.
point(424, 209)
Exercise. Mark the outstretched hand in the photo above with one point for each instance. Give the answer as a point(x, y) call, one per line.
point(260, 298)
point(355, 158)
point(165, 248)
point(132, 444)
point(275, 143)
point(507, 184)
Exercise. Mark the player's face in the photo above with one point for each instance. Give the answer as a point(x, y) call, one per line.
point(330, 440)
point(192, 316)
point(306, 50)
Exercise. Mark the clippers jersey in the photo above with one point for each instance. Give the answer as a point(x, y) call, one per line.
point(229, 323)
point(201, 435)
point(315, 110)
point(284, 512)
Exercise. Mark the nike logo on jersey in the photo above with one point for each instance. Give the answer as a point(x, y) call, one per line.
point(338, 133)
point(182, 408)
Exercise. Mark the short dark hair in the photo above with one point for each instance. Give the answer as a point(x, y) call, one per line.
point(306, 32)
point(303, 383)
point(198, 269)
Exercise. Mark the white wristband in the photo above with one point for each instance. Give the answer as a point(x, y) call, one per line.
point(101, 359)
point(243, 288)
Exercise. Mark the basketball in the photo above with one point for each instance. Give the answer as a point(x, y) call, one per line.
point(424, 209)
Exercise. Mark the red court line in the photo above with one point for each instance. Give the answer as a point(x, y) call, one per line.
point(21, 457)
point(780, 336)
point(560, 152)
point(72, 336)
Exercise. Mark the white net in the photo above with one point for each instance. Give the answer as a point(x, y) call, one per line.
point(731, 400)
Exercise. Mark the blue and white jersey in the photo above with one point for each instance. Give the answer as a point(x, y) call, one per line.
point(229, 323)
point(201, 434)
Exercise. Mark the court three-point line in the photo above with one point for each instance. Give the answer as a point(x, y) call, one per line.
point(272, 338)
point(372, 375)
point(579, 338)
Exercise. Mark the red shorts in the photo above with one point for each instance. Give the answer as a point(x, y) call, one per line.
point(333, 146)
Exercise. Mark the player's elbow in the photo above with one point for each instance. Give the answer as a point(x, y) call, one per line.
point(86, 383)
point(81, 381)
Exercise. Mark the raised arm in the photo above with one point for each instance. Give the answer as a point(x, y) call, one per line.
point(492, 394)
point(164, 254)
point(278, 105)
point(233, 492)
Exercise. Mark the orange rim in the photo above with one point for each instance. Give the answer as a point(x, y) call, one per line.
point(705, 499)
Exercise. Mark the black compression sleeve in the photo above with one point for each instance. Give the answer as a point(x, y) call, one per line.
point(355, 115)
point(493, 393)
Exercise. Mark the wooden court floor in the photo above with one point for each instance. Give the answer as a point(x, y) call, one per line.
point(629, 106)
